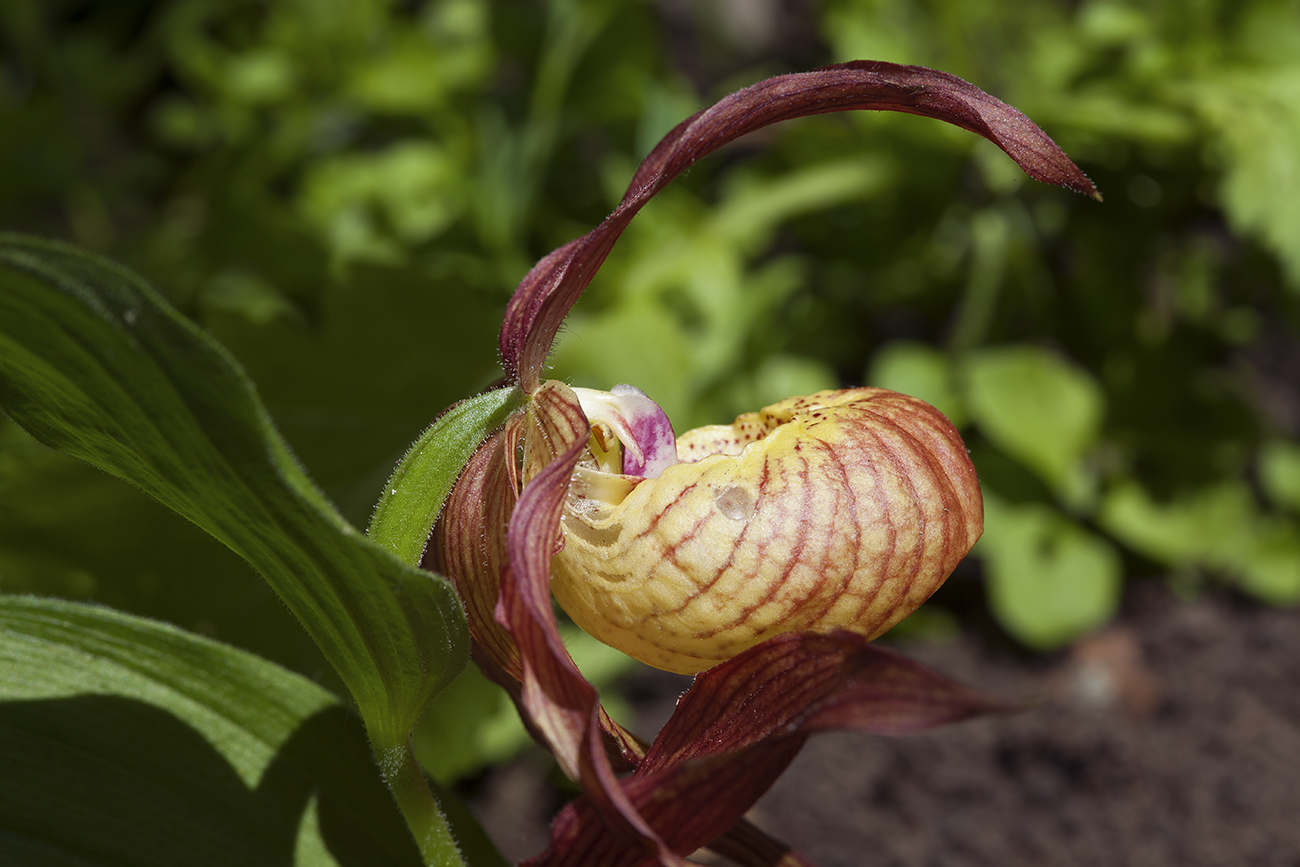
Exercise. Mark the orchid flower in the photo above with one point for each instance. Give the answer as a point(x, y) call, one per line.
point(762, 556)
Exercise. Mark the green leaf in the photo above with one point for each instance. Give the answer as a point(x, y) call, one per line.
point(1049, 580)
point(1037, 408)
point(127, 741)
point(72, 531)
point(419, 486)
point(1279, 472)
point(1201, 525)
point(1218, 527)
point(94, 363)
point(1255, 115)
point(1269, 566)
point(375, 205)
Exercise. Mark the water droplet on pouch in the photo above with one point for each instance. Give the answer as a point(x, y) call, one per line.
point(734, 502)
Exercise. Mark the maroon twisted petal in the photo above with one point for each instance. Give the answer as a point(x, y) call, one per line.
point(551, 288)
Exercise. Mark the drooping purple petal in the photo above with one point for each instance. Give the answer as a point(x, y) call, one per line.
point(484, 496)
point(680, 803)
point(740, 725)
point(550, 289)
point(561, 705)
point(810, 682)
point(559, 699)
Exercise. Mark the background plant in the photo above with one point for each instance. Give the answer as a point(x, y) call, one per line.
point(345, 195)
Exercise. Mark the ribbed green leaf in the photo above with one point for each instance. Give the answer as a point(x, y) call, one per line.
point(126, 741)
point(94, 363)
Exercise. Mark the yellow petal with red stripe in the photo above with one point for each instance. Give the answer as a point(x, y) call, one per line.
point(845, 509)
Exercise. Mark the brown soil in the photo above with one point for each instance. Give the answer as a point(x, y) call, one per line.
point(1171, 738)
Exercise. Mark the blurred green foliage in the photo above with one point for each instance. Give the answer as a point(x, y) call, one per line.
point(345, 193)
